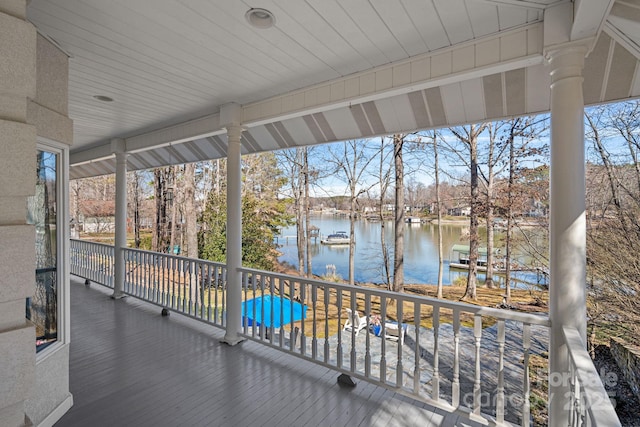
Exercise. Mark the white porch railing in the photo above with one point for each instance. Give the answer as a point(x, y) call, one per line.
point(93, 261)
point(455, 355)
point(589, 401)
point(194, 287)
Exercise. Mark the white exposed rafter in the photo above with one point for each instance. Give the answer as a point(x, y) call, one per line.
point(622, 39)
point(589, 17)
point(92, 154)
point(187, 131)
point(182, 132)
point(518, 3)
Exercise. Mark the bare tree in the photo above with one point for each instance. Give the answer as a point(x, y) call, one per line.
point(613, 238)
point(219, 172)
point(175, 203)
point(468, 135)
point(350, 161)
point(293, 162)
point(190, 214)
point(76, 192)
point(307, 175)
point(398, 251)
point(163, 192)
point(524, 185)
point(436, 168)
point(136, 195)
point(384, 180)
point(496, 150)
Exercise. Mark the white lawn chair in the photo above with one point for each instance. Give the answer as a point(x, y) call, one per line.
point(354, 321)
point(393, 332)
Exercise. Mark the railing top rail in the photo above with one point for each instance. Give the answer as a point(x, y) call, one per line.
point(93, 243)
point(596, 396)
point(534, 319)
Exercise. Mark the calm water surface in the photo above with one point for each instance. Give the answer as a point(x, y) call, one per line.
point(420, 250)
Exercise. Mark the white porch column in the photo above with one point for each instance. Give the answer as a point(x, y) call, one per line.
point(230, 117)
point(567, 296)
point(118, 146)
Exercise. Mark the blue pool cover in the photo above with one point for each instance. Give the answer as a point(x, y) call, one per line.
point(281, 308)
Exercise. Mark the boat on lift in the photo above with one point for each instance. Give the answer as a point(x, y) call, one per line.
point(337, 238)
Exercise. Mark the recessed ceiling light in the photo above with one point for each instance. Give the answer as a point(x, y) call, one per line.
point(103, 98)
point(260, 18)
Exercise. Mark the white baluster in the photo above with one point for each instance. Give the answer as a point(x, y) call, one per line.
point(477, 334)
point(383, 344)
point(399, 369)
point(281, 315)
point(303, 338)
point(339, 349)
point(326, 324)
point(214, 277)
point(354, 328)
point(172, 278)
point(435, 381)
point(150, 277)
point(417, 318)
point(500, 394)
point(134, 263)
point(263, 328)
point(272, 284)
point(573, 404)
point(526, 386)
point(183, 284)
point(367, 355)
point(455, 384)
point(314, 311)
point(245, 321)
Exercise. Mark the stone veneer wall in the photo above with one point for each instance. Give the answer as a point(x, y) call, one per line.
point(627, 357)
point(17, 182)
point(47, 111)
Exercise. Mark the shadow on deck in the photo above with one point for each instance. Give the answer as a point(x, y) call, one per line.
point(129, 366)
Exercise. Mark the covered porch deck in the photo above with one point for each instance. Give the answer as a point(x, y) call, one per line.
point(131, 366)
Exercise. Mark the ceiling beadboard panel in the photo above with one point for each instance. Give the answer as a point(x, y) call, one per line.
point(455, 19)
point(484, 20)
point(169, 61)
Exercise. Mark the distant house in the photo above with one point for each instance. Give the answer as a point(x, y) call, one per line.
point(459, 211)
point(537, 209)
point(97, 216)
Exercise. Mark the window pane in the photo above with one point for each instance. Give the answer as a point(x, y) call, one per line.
point(42, 308)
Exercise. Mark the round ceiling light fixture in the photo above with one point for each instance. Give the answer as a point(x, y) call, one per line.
point(103, 98)
point(260, 18)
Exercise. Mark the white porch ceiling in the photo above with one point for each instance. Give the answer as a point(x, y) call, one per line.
point(328, 70)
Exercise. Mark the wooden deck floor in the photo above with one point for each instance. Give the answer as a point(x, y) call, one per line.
point(129, 366)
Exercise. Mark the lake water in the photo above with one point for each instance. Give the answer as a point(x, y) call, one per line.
point(420, 251)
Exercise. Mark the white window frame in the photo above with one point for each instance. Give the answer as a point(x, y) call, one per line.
point(62, 245)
